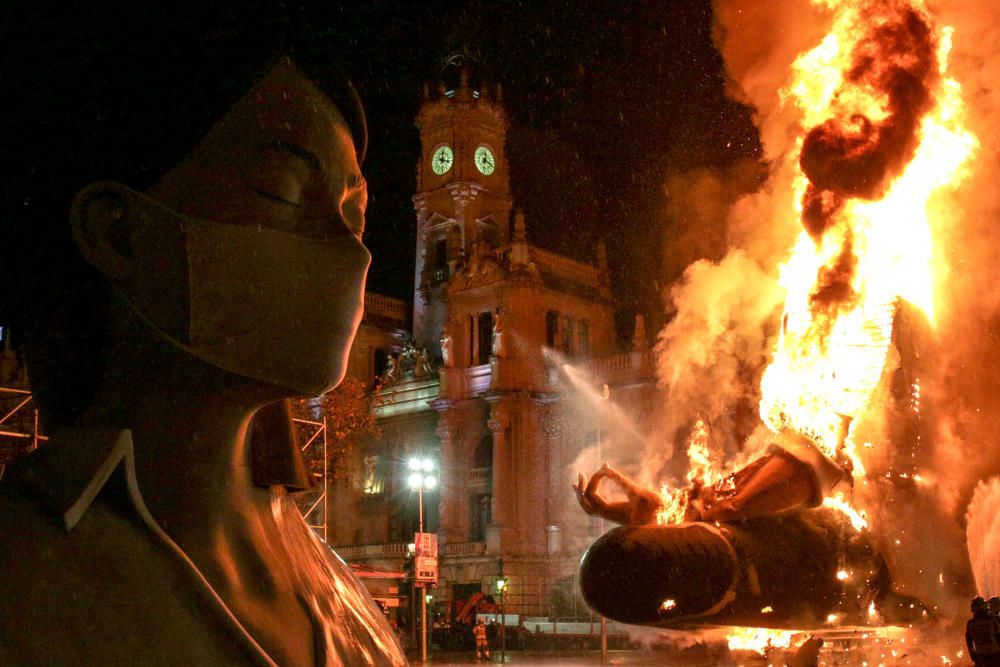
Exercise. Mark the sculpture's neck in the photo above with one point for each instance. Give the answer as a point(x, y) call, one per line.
point(189, 424)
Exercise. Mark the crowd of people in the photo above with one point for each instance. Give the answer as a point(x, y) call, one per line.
point(982, 632)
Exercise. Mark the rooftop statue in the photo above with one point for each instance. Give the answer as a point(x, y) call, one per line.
point(220, 276)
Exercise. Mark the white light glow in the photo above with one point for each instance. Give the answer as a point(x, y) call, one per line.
point(415, 480)
point(430, 482)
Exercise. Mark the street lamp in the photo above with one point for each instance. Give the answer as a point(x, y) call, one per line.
point(422, 477)
point(606, 396)
point(502, 589)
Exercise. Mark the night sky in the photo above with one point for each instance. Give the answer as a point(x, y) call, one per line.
point(605, 99)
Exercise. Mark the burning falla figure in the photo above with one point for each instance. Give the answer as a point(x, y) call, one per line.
point(755, 548)
point(759, 546)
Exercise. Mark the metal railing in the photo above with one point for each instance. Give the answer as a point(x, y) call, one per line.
point(372, 550)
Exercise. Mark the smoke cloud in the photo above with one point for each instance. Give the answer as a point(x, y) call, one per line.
point(711, 353)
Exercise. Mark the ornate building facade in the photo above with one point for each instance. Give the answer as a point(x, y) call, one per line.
point(481, 385)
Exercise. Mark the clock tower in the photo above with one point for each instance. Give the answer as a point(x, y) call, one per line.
point(463, 200)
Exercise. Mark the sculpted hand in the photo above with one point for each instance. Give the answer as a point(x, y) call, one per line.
point(639, 509)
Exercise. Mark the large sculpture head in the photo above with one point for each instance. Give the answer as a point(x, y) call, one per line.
point(247, 254)
point(205, 178)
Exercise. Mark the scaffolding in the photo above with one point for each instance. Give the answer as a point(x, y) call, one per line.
point(318, 514)
point(20, 433)
point(19, 428)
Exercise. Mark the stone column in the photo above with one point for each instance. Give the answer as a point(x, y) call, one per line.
point(452, 483)
point(551, 419)
point(503, 509)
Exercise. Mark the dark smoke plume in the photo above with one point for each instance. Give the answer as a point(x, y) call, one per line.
point(833, 291)
point(856, 156)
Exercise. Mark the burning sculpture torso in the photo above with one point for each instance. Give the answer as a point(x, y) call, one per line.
point(841, 393)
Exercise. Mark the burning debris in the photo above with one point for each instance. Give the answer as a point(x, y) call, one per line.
point(772, 572)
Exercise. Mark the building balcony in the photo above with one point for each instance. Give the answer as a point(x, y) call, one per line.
point(354, 552)
point(465, 549)
point(384, 309)
point(480, 477)
point(462, 383)
point(406, 396)
point(580, 272)
point(622, 368)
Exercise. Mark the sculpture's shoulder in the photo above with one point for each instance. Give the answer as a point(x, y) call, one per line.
point(101, 593)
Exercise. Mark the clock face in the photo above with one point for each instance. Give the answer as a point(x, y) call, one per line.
point(485, 162)
point(442, 159)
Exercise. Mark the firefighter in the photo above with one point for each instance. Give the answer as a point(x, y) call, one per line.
point(482, 644)
point(981, 635)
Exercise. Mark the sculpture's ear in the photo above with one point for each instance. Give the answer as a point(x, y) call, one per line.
point(140, 248)
point(103, 229)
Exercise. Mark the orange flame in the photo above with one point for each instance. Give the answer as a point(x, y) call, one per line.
point(704, 469)
point(759, 640)
point(867, 244)
point(704, 466)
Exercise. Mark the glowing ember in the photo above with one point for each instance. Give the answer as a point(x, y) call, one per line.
point(668, 604)
point(767, 610)
point(886, 133)
point(758, 639)
point(842, 575)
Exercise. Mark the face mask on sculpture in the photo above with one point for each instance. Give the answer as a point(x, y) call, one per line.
point(274, 306)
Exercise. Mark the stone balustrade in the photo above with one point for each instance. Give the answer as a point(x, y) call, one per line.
point(621, 367)
point(566, 267)
point(480, 476)
point(464, 548)
point(387, 307)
